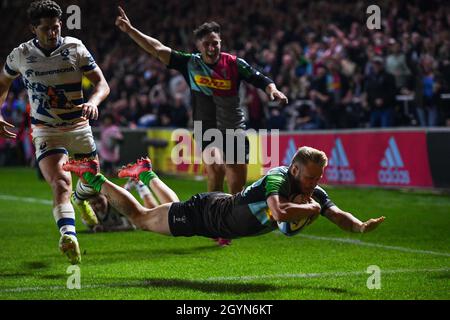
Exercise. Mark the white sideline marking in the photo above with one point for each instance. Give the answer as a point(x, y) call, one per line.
point(237, 278)
point(321, 274)
point(369, 244)
point(25, 199)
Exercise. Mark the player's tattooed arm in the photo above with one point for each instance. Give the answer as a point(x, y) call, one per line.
point(346, 221)
point(149, 44)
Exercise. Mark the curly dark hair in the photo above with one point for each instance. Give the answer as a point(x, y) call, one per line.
point(43, 9)
point(206, 29)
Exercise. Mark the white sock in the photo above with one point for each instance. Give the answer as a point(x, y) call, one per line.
point(129, 185)
point(142, 189)
point(65, 218)
point(83, 191)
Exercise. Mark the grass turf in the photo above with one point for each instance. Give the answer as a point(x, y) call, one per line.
point(322, 262)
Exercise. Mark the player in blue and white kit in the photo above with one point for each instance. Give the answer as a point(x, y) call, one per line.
point(52, 68)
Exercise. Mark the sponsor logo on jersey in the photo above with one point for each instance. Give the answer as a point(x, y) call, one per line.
point(339, 168)
point(52, 72)
point(393, 171)
point(31, 59)
point(212, 83)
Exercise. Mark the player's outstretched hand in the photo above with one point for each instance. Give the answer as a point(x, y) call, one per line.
point(278, 96)
point(371, 224)
point(122, 21)
point(89, 111)
point(4, 132)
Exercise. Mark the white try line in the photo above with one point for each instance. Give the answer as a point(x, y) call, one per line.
point(376, 245)
point(145, 283)
point(25, 199)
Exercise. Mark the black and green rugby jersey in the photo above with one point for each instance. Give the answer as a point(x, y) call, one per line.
point(215, 88)
point(253, 199)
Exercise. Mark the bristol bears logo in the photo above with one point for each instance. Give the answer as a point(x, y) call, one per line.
point(65, 54)
point(393, 171)
point(339, 167)
point(29, 73)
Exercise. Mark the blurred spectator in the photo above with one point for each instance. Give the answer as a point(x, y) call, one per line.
point(380, 88)
point(308, 118)
point(396, 65)
point(110, 140)
point(288, 40)
point(179, 114)
point(427, 93)
point(319, 93)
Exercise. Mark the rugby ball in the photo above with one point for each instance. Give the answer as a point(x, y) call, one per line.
point(292, 228)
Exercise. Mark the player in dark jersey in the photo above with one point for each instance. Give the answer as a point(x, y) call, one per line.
point(214, 79)
point(258, 209)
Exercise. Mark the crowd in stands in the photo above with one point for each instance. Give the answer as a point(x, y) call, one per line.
point(335, 71)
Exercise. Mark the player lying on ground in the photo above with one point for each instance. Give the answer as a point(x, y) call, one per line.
point(286, 198)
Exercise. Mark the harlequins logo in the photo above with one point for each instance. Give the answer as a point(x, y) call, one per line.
point(180, 219)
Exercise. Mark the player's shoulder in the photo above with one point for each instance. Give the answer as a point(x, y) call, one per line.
point(71, 40)
point(282, 170)
point(228, 56)
point(24, 48)
point(184, 54)
point(318, 190)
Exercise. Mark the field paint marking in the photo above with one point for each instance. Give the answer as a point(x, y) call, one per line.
point(25, 199)
point(370, 244)
point(321, 274)
point(237, 278)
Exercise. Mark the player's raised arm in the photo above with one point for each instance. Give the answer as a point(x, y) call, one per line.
point(346, 221)
point(149, 44)
point(5, 83)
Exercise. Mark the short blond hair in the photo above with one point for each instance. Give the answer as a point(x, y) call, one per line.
point(307, 154)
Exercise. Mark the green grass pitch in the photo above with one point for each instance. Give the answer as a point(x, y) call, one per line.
point(411, 248)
